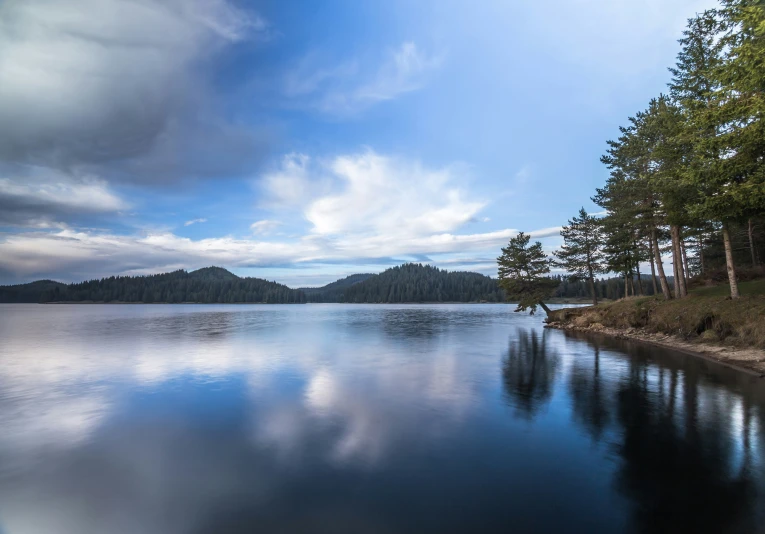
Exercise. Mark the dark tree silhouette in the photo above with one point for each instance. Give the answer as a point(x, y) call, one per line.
point(528, 372)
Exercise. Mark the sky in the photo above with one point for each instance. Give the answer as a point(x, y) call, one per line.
point(305, 141)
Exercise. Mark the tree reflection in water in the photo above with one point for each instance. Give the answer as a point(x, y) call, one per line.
point(678, 464)
point(528, 372)
point(589, 394)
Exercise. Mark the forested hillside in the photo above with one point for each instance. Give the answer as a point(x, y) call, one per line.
point(28, 292)
point(333, 292)
point(406, 283)
point(208, 285)
point(422, 283)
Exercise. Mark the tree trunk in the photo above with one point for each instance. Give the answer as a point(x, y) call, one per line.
point(729, 262)
point(653, 272)
point(680, 268)
point(660, 265)
point(592, 288)
point(545, 308)
point(640, 281)
point(751, 244)
point(677, 256)
point(685, 263)
point(701, 252)
point(626, 286)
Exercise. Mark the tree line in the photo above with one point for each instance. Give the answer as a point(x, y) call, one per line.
point(611, 288)
point(413, 282)
point(333, 292)
point(686, 175)
point(208, 285)
point(406, 283)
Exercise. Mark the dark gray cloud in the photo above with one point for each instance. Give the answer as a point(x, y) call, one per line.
point(116, 88)
point(41, 197)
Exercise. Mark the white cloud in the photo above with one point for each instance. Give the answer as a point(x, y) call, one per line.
point(370, 209)
point(347, 88)
point(85, 254)
point(194, 221)
point(403, 72)
point(290, 185)
point(382, 195)
point(265, 226)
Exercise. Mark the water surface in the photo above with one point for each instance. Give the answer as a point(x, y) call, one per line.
point(175, 419)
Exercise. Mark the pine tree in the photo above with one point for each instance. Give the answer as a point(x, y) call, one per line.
point(522, 273)
point(633, 204)
point(581, 254)
point(692, 85)
point(666, 127)
point(728, 167)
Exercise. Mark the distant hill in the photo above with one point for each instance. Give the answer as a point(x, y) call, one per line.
point(406, 283)
point(334, 292)
point(208, 285)
point(413, 282)
point(213, 274)
point(28, 292)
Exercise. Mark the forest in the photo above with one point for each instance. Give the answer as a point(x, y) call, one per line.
point(686, 176)
point(333, 292)
point(413, 282)
point(208, 285)
point(406, 283)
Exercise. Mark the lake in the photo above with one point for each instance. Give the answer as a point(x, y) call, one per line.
point(175, 419)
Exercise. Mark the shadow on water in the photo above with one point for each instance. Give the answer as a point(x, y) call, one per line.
point(589, 395)
point(687, 461)
point(528, 372)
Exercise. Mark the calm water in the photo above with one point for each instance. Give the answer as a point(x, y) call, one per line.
point(363, 419)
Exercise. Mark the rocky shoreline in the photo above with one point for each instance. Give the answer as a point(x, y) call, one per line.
point(749, 360)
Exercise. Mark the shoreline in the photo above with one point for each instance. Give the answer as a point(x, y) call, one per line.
point(748, 360)
point(244, 303)
point(116, 303)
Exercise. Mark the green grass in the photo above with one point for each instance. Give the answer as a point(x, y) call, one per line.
point(751, 288)
point(708, 314)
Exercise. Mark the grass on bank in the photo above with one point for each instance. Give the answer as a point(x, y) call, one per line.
point(707, 314)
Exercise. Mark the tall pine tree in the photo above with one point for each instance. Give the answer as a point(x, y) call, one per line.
point(581, 254)
point(729, 167)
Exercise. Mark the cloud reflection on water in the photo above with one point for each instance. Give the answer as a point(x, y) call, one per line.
point(58, 389)
point(177, 419)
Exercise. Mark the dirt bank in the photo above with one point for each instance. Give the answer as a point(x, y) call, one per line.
point(751, 360)
point(708, 326)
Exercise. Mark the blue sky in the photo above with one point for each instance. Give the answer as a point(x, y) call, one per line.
point(305, 141)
